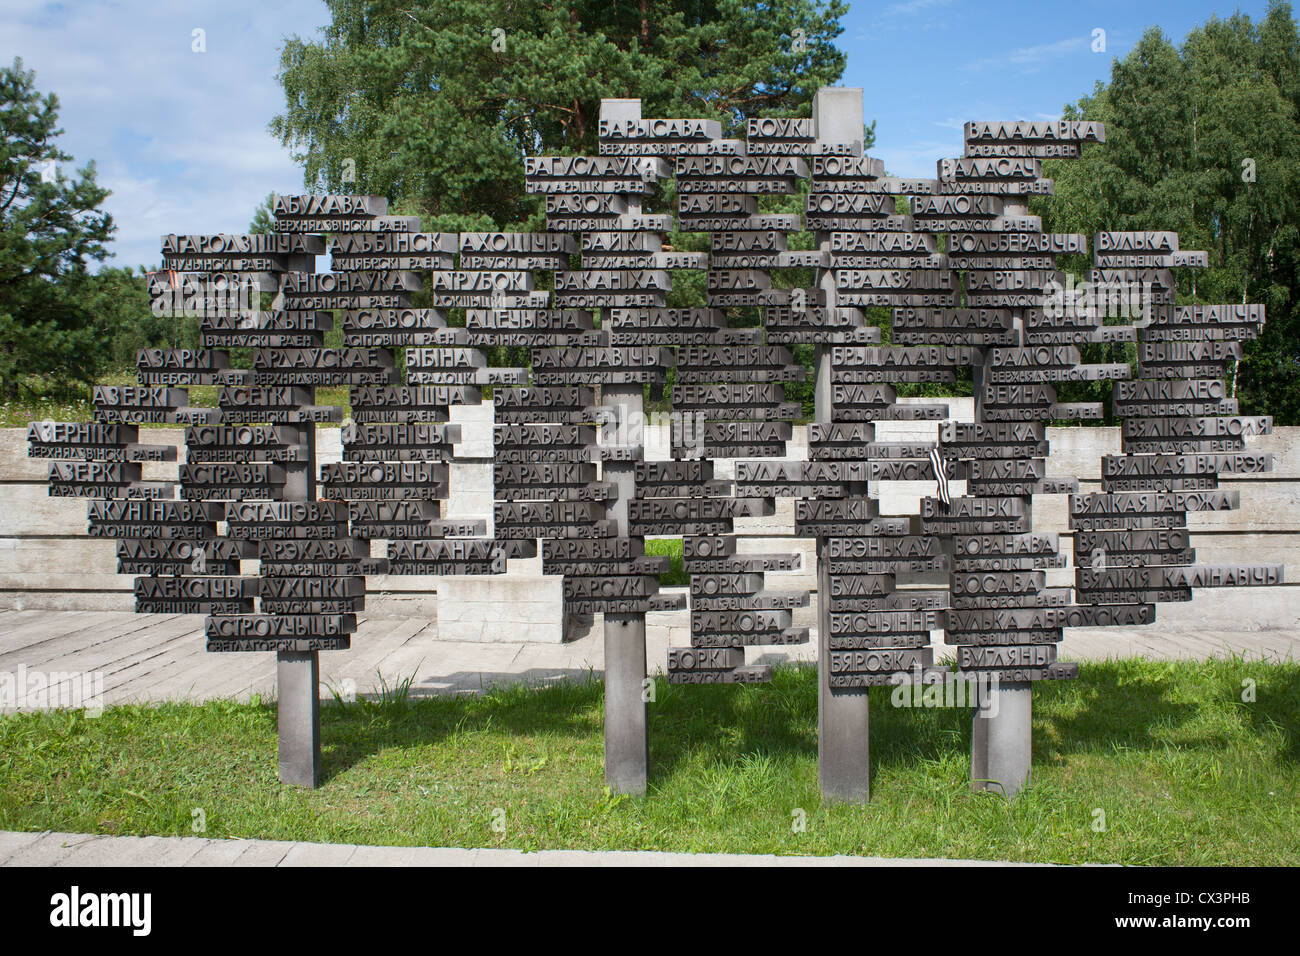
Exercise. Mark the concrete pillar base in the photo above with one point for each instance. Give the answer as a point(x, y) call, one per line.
point(843, 717)
point(627, 738)
point(1001, 740)
point(297, 679)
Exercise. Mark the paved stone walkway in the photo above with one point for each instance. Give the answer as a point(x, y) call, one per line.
point(78, 849)
point(153, 657)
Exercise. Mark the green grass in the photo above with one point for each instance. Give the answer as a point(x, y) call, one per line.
point(21, 414)
point(676, 575)
point(1185, 772)
point(64, 409)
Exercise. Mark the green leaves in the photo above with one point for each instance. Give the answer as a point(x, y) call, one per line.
point(51, 227)
point(435, 103)
point(263, 222)
point(1205, 139)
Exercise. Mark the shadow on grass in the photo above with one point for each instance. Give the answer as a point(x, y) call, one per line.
point(1131, 704)
point(1276, 707)
point(352, 732)
point(1136, 704)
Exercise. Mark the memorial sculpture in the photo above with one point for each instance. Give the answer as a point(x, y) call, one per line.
point(972, 287)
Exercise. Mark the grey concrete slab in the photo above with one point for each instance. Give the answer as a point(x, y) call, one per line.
point(1273, 645)
point(568, 858)
point(318, 854)
point(133, 851)
point(150, 658)
point(219, 852)
point(375, 641)
point(89, 850)
point(490, 857)
point(231, 681)
point(264, 853)
point(21, 629)
point(406, 856)
point(91, 638)
point(13, 843)
point(52, 848)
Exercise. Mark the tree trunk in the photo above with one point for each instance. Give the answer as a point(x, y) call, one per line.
point(579, 121)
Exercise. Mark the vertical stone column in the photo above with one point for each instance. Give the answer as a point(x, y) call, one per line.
point(843, 748)
point(1001, 744)
point(1001, 738)
point(627, 740)
point(297, 673)
point(627, 736)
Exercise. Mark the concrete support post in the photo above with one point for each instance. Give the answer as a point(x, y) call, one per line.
point(1002, 740)
point(1002, 722)
point(843, 718)
point(627, 739)
point(843, 714)
point(297, 673)
point(297, 681)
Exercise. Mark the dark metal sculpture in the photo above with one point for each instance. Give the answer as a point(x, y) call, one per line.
point(972, 283)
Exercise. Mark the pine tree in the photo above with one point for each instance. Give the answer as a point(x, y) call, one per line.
point(51, 228)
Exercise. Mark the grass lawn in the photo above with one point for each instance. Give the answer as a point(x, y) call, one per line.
point(1184, 770)
point(21, 414)
point(676, 575)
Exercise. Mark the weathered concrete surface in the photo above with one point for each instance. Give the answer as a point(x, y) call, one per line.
point(78, 849)
point(155, 657)
point(503, 607)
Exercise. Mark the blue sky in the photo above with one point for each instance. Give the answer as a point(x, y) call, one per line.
point(180, 136)
point(928, 66)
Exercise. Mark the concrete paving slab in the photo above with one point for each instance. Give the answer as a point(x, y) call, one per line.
point(634, 858)
point(150, 662)
point(90, 850)
point(405, 856)
point(134, 851)
point(264, 853)
point(218, 852)
point(13, 842)
point(52, 848)
point(569, 858)
point(488, 857)
point(318, 854)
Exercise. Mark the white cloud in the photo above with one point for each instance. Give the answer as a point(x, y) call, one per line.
point(1032, 57)
point(910, 7)
point(917, 159)
point(180, 137)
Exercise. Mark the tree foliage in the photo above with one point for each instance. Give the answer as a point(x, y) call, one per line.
point(434, 102)
point(55, 317)
point(263, 221)
point(1205, 139)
